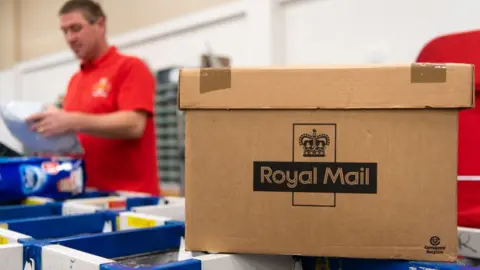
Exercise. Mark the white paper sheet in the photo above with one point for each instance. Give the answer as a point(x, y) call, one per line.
point(14, 114)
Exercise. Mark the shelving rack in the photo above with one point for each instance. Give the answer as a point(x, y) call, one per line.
point(169, 128)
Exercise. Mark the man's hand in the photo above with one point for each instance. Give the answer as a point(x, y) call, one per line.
point(52, 122)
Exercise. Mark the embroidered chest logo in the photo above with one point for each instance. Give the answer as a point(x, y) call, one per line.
point(101, 88)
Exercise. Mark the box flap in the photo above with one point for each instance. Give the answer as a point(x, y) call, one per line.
point(420, 85)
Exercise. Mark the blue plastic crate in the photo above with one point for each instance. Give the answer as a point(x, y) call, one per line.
point(29, 211)
point(112, 245)
point(54, 209)
point(62, 226)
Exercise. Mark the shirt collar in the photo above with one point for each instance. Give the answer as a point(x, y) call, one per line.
point(106, 57)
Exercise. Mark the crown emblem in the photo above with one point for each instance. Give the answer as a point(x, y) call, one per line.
point(313, 144)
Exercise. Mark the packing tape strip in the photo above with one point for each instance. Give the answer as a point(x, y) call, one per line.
point(213, 79)
point(428, 73)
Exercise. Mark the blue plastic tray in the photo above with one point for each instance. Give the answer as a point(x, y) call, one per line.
point(62, 226)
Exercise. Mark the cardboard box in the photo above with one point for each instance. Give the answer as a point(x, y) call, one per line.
point(356, 161)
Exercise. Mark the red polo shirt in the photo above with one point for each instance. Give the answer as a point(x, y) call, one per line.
point(116, 82)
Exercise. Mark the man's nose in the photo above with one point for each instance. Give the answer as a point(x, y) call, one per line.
point(71, 37)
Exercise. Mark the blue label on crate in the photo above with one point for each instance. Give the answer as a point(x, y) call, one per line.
point(54, 178)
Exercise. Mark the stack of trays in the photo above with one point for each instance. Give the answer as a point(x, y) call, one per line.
point(150, 248)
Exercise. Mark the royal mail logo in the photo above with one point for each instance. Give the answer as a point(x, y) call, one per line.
point(314, 145)
point(344, 177)
point(314, 169)
point(101, 88)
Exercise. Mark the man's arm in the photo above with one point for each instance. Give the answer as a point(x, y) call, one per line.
point(135, 101)
point(121, 124)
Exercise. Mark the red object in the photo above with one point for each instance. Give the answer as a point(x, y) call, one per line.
point(50, 167)
point(113, 83)
point(119, 205)
point(463, 48)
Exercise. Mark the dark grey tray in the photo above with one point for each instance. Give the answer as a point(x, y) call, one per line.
point(151, 259)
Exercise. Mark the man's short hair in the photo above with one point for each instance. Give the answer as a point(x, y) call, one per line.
point(91, 9)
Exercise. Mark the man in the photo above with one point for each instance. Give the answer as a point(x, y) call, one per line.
point(109, 104)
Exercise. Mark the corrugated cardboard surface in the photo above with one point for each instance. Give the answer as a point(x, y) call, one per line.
point(355, 87)
point(372, 183)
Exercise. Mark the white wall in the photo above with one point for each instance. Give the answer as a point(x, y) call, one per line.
point(178, 42)
point(47, 83)
point(7, 92)
point(356, 32)
point(184, 49)
point(265, 32)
